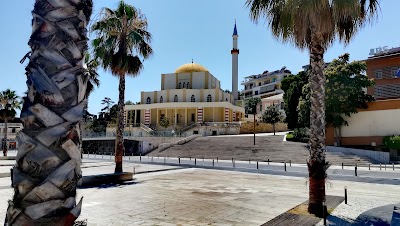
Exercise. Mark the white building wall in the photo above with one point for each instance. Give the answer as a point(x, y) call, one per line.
point(170, 81)
point(198, 79)
point(162, 93)
point(190, 92)
point(146, 95)
point(173, 92)
point(209, 91)
point(373, 123)
point(183, 78)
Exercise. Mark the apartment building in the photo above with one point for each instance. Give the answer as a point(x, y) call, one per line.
point(384, 67)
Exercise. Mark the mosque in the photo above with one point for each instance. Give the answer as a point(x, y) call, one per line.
point(190, 95)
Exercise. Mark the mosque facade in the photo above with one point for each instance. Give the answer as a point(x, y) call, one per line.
point(189, 95)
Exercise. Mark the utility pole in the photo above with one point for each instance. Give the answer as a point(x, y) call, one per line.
point(254, 123)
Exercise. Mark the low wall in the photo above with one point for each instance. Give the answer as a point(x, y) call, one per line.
point(379, 156)
point(164, 146)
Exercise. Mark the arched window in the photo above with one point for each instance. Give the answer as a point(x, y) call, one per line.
point(209, 98)
point(176, 98)
point(148, 101)
point(187, 85)
point(179, 85)
point(161, 99)
point(193, 99)
point(183, 85)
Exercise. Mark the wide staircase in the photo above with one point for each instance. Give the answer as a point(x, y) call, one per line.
point(242, 148)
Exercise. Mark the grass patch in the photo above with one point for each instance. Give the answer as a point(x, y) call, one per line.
point(289, 136)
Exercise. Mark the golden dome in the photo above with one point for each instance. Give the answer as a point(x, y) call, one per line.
point(191, 67)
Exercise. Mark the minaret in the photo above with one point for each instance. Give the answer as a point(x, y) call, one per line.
point(235, 54)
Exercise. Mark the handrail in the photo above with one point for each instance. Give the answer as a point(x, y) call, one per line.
point(146, 128)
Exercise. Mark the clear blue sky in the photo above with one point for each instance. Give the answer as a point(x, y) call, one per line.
point(186, 29)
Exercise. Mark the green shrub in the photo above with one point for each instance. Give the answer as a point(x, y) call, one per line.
point(392, 142)
point(301, 134)
point(289, 136)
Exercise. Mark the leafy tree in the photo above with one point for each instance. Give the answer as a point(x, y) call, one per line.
point(251, 108)
point(48, 161)
point(314, 25)
point(251, 105)
point(292, 86)
point(129, 103)
point(165, 122)
point(9, 102)
point(122, 42)
point(272, 115)
point(108, 104)
point(344, 91)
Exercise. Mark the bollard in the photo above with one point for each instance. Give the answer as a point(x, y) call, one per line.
point(140, 157)
point(355, 170)
point(195, 161)
point(345, 194)
point(190, 158)
point(290, 162)
point(257, 164)
point(324, 211)
point(129, 158)
point(393, 166)
point(179, 160)
point(369, 166)
point(233, 162)
point(268, 161)
point(102, 155)
point(11, 175)
point(110, 155)
point(217, 159)
point(342, 165)
point(151, 158)
point(213, 162)
point(249, 161)
point(285, 166)
point(88, 154)
point(203, 158)
point(164, 159)
point(380, 166)
point(385, 166)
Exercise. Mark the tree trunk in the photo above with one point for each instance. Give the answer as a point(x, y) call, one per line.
point(254, 128)
point(48, 161)
point(119, 140)
point(316, 162)
point(5, 148)
point(273, 125)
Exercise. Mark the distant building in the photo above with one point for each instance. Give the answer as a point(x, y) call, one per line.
point(384, 67)
point(13, 127)
point(265, 84)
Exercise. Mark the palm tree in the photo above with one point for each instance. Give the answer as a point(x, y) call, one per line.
point(314, 25)
point(9, 101)
point(48, 162)
point(121, 41)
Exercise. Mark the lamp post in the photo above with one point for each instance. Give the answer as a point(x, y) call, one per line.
point(254, 123)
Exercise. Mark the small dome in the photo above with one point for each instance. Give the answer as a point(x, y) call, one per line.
point(191, 67)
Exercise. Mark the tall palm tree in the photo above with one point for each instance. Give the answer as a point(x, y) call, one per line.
point(122, 42)
point(314, 25)
point(9, 102)
point(48, 162)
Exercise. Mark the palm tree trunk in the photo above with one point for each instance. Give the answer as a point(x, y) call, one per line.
point(47, 166)
point(119, 141)
point(5, 137)
point(316, 162)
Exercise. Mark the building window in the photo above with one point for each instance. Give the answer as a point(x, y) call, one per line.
point(259, 84)
point(378, 74)
point(226, 99)
point(256, 92)
point(179, 85)
point(187, 85)
point(13, 130)
point(148, 101)
point(176, 98)
point(192, 98)
point(209, 98)
point(183, 85)
point(260, 107)
point(395, 71)
point(161, 100)
point(274, 80)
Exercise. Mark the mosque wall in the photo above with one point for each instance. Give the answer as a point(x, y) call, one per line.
point(170, 81)
point(198, 79)
point(195, 92)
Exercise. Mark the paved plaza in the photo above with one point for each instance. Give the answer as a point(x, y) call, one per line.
point(169, 194)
